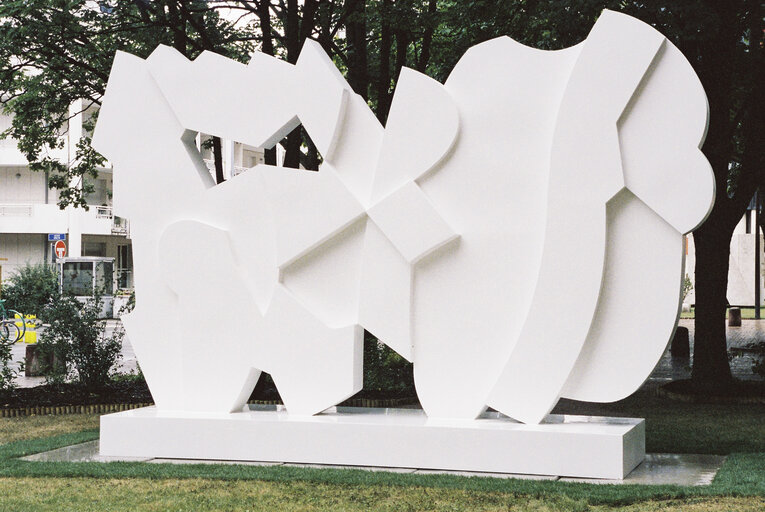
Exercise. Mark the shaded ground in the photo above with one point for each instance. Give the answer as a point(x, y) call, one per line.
point(133, 390)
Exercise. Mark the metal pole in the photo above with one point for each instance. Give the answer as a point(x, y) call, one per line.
point(757, 254)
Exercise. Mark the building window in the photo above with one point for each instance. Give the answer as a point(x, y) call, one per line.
point(94, 249)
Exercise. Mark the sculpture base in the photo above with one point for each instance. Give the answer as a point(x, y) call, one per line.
point(575, 446)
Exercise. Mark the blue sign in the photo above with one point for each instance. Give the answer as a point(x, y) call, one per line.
point(55, 237)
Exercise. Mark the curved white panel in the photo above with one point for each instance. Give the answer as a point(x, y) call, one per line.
point(585, 173)
point(659, 133)
point(638, 305)
point(471, 298)
point(215, 316)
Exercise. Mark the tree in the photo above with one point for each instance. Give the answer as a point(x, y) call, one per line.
point(53, 52)
point(69, 44)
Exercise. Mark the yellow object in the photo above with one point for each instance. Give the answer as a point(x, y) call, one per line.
point(30, 336)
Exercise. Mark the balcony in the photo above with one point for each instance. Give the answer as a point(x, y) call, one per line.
point(49, 218)
point(210, 164)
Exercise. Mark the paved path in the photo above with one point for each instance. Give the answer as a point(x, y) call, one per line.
point(656, 469)
point(669, 368)
point(751, 331)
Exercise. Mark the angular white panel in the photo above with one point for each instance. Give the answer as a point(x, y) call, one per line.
point(411, 222)
point(308, 208)
point(207, 106)
point(314, 367)
point(421, 111)
point(385, 307)
point(321, 118)
point(326, 280)
point(216, 315)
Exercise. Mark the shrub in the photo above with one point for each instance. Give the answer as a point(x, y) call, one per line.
point(385, 372)
point(77, 343)
point(687, 286)
point(31, 288)
point(6, 373)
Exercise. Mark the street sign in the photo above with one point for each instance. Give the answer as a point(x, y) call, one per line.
point(55, 237)
point(60, 249)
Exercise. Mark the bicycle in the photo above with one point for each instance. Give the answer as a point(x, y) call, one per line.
point(12, 325)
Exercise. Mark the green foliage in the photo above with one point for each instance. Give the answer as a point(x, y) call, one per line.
point(385, 371)
point(6, 373)
point(77, 342)
point(31, 288)
point(687, 286)
point(56, 52)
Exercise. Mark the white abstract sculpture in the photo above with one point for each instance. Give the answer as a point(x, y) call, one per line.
point(516, 233)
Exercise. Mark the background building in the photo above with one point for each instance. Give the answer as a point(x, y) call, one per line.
point(29, 211)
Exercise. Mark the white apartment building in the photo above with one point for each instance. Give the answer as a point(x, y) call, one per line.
point(29, 212)
point(741, 265)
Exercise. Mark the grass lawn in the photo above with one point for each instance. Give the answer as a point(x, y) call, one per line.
point(746, 313)
point(738, 430)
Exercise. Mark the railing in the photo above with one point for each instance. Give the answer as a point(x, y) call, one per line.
point(120, 226)
point(236, 171)
point(104, 212)
point(16, 210)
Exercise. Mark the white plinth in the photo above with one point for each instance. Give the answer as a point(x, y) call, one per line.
point(577, 446)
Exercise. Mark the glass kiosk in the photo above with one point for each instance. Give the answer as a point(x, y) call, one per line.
point(81, 276)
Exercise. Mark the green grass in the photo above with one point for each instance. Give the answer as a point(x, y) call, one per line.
point(671, 427)
point(746, 313)
point(32, 427)
point(679, 427)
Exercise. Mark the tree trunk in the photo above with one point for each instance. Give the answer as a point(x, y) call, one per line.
point(711, 369)
point(292, 148)
point(311, 160)
point(402, 47)
point(356, 35)
point(218, 158)
point(267, 47)
point(427, 38)
point(383, 80)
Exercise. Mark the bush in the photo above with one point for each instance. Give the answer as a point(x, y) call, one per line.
point(77, 343)
point(31, 288)
point(6, 373)
point(385, 372)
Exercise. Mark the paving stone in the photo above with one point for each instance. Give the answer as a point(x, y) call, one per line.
point(667, 468)
point(364, 468)
point(484, 474)
point(210, 461)
point(84, 452)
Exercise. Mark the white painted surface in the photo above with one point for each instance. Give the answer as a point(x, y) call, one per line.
point(579, 446)
point(503, 275)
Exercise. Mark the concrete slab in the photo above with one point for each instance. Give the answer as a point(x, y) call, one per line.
point(657, 469)
point(84, 452)
point(583, 446)
point(363, 468)
point(668, 469)
point(485, 475)
point(194, 461)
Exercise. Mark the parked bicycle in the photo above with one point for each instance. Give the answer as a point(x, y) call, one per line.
point(12, 325)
